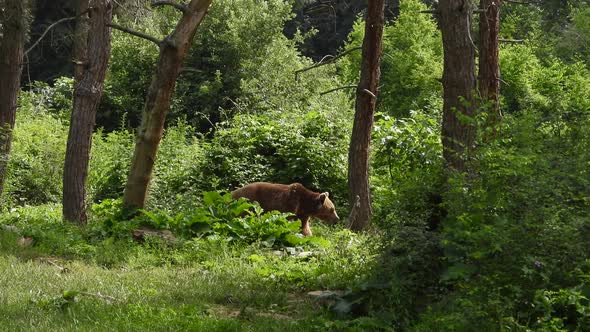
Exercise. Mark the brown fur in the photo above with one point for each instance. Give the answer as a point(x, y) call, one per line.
point(293, 198)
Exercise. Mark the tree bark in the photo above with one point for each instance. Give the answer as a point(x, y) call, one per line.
point(489, 67)
point(92, 48)
point(459, 83)
point(13, 18)
point(173, 50)
point(366, 100)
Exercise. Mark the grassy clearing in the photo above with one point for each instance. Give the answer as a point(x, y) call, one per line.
point(198, 285)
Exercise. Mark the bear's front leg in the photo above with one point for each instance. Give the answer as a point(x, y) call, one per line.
point(305, 226)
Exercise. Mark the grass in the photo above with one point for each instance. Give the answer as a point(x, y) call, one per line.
point(64, 284)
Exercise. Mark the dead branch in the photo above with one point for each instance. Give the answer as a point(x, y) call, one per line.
point(369, 93)
point(518, 2)
point(338, 88)
point(47, 30)
point(512, 41)
point(330, 59)
point(429, 11)
point(189, 70)
point(136, 33)
point(174, 4)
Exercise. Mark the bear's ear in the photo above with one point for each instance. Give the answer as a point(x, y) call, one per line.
point(326, 193)
point(322, 197)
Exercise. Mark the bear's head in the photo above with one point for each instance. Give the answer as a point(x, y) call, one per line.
point(326, 210)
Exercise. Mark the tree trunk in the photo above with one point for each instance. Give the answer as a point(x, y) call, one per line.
point(459, 83)
point(92, 48)
point(13, 19)
point(366, 99)
point(172, 53)
point(489, 67)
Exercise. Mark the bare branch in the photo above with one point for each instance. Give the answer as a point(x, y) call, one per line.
point(174, 4)
point(328, 59)
point(518, 2)
point(512, 41)
point(429, 11)
point(136, 33)
point(47, 30)
point(189, 70)
point(369, 93)
point(338, 88)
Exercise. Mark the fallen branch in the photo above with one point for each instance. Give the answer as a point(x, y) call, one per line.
point(136, 33)
point(174, 4)
point(331, 59)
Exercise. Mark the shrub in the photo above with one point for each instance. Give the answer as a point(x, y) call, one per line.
point(310, 149)
point(35, 167)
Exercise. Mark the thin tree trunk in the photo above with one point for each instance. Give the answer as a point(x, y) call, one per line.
point(173, 50)
point(92, 48)
point(13, 18)
point(489, 68)
point(459, 83)
point(366, 99)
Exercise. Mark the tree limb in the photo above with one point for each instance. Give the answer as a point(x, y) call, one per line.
point(330, 59)
point(174, 4)
point(518, 2)
point(512, 41)
point(47, 30)
point(136, 33)
point(189, 70)
point(339, 88)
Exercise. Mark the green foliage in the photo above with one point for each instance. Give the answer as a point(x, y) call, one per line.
point(110, 159)
point(37, 155)
point(222, 218)
point(310, 149)
point(519, 226)
point(178, 179)
point(407, 166)
point(573, 44)
point(411, 64)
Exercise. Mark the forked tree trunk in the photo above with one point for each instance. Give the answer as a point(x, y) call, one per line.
point(459, 83)
point(13, 18)
point(489, 67)
point(92, 48)
point(366, 100)
point(173, 50)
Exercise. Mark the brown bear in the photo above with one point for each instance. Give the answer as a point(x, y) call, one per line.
point(293, 198)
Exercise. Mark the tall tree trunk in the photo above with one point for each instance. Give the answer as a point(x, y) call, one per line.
point(459, 83)
point(13, 18)
point(92, 48)
point(366, 100)
point(173, 50)
point(489, 67)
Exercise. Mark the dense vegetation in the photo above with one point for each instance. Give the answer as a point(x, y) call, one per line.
point(503, 247)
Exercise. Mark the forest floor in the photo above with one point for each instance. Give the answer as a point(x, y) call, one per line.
point(200, 286)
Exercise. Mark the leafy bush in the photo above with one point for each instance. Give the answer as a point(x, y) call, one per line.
point(35, 167)
point(310, 149)
point(229, 220)
point(110, 160)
